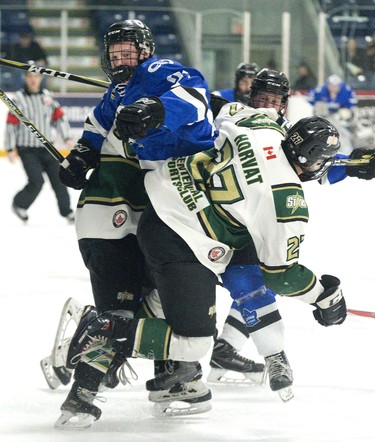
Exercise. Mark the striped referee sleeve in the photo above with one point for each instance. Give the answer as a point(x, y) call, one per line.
point(44, 112)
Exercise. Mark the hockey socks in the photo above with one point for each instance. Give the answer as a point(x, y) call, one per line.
point(152, 339)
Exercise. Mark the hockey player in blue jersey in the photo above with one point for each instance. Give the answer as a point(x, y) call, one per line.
point(140, 120)
point(334, 94)
point(154, 109)
point(336, 100)
point(244, 75)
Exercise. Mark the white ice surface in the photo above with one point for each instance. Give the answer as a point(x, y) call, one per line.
point(334, 385)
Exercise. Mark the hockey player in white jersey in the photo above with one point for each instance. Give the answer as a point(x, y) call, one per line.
point(248, 188)
point(270, 89)
point(153, 109)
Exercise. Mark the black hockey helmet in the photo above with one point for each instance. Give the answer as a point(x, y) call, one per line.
point(127, 30)
point(312, 144)
point(271, 82)
point(244, 70)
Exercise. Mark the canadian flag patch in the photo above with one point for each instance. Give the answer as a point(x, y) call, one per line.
point(270, 153)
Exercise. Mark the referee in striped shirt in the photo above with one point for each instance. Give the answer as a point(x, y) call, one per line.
point(46, 113)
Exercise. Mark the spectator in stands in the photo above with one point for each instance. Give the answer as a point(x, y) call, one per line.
point(306, 79)
point(26, 50)
point(369, 64)
point(354, 58)
point(336, 101)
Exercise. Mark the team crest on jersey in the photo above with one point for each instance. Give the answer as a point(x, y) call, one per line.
point(295, 202)
point(216, 253)
point(119, 218)
point(250, 317)
point(290, 204)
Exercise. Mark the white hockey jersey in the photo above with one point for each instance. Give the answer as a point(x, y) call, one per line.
point(244, 187)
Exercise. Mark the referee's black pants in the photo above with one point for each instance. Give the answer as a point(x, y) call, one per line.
point(37, 160)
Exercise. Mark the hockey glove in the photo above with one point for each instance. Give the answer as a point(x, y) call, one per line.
point(330, 306)
point(75, 166)
point(365, 171)
point(133, 121)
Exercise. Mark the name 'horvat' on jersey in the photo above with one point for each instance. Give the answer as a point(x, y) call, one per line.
point(182, 180)
point(248, 160)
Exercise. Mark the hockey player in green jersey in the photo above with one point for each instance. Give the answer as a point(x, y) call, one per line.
point(248, 188)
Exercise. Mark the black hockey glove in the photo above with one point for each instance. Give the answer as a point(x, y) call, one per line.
point(73, 169)
point(132, 121)
point(330, 306)
point(365, 171)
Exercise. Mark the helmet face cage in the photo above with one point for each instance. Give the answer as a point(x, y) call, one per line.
point(312, 144)
point(127, 30)
point(270, 82)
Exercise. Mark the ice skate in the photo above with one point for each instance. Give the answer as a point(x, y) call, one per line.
point(179, 389)
point(280, 375)
point(78, 410)
point(229, 367)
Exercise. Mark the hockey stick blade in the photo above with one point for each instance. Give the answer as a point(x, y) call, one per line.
point(21, 117)
point(52, 73)
point(361, 313)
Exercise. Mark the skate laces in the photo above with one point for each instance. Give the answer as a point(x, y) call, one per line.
point(88, 396)
point(95, 343)
point(224, 349)
point(124, 378)
point(276, 365)
point(169, 367)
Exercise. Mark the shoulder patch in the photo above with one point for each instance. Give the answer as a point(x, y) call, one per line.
point(290, 204)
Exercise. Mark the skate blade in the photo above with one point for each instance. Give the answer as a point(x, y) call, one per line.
point(286, 394)
point(182, 408)
point(52, 380)
point(227, 377)
point(71, 313)
point(70, 421)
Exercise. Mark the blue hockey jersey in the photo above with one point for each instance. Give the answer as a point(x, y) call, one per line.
point(345, 97)
point(228, 94)
point(188, 127)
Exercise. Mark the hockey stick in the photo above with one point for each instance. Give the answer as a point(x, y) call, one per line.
point(21, 117)
point(352, 162)
point(53, 73)
point(361, 313)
